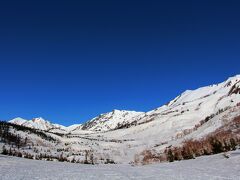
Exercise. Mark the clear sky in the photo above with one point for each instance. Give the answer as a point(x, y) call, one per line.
point(68, 61)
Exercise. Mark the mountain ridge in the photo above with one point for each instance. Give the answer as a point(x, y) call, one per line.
point(117, 115)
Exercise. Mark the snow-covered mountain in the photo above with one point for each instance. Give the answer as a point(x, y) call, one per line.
point(42, 124)
point(128, 136)
point(103, 122)
point(18, 121)
point(36, 123)
point(192, 104)
point(111, 120)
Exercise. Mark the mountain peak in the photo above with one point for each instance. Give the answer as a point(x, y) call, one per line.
point(18, 121)
point(36, 123)
point(116, 110)
point(110, 120)
point(40, 120)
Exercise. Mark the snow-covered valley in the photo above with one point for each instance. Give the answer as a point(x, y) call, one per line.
point(201, 118)
point(207, 167)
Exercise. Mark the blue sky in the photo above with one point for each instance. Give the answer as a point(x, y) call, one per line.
point(68, 61)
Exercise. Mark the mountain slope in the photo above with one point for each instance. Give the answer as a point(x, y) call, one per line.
point(184, 112)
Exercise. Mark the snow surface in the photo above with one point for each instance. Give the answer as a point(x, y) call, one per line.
point(207, 167)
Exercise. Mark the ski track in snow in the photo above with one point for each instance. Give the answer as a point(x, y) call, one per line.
point(204, 168)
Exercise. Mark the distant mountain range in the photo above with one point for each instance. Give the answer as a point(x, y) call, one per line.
point(103, 122)
point(128, 136)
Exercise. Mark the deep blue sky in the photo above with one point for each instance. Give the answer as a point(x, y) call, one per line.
point(68, 61)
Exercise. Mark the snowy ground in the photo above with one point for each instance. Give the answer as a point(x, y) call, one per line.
point(211, 167)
